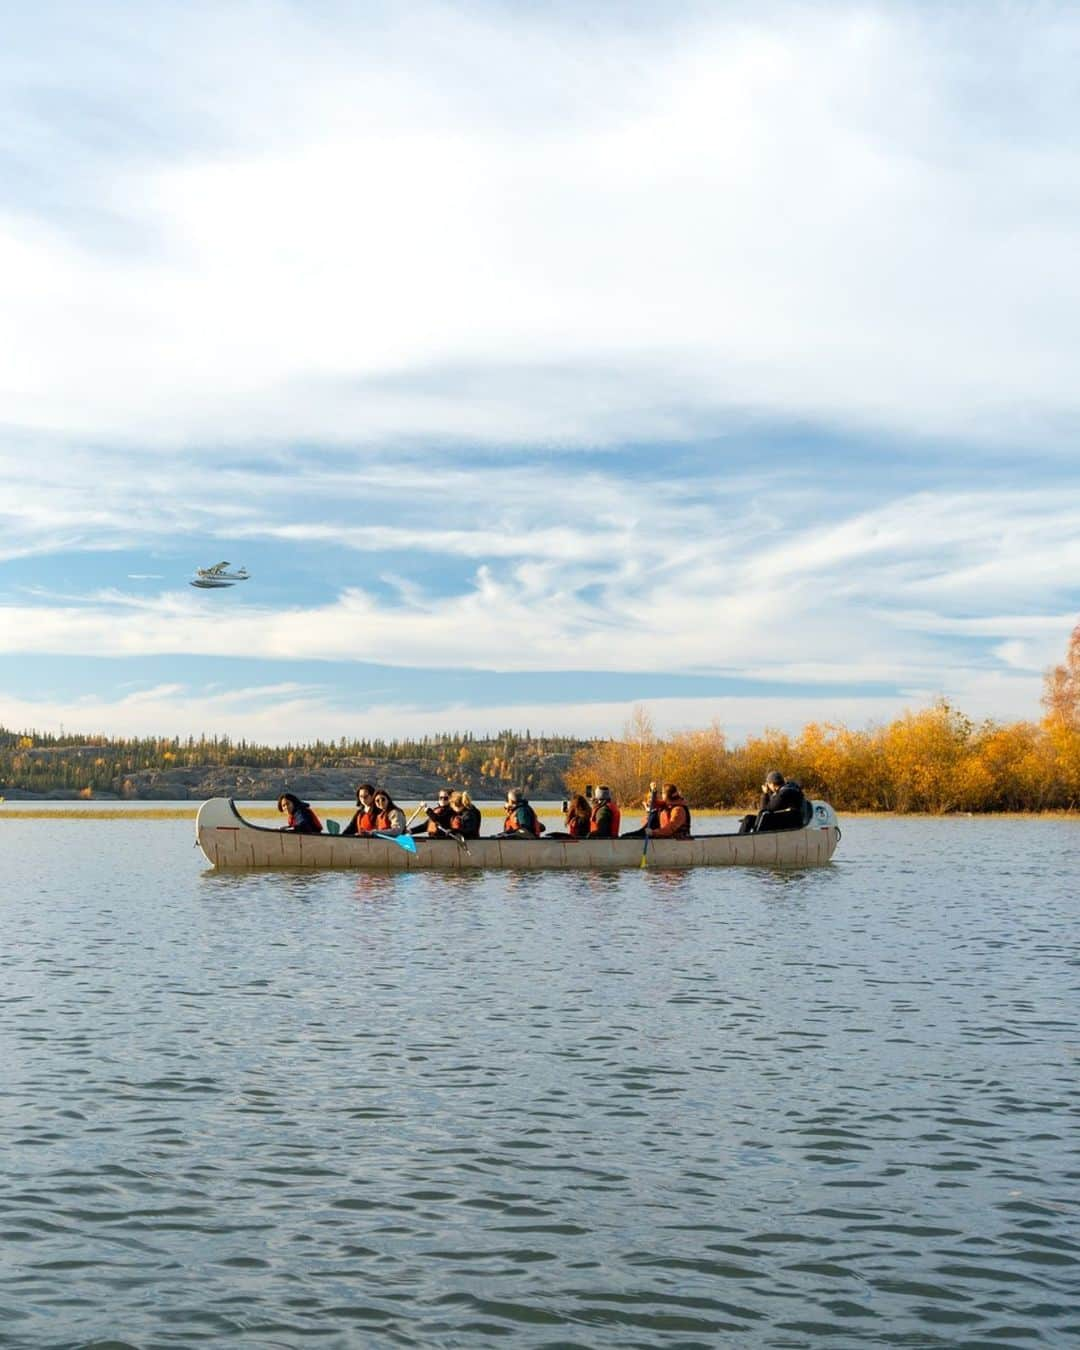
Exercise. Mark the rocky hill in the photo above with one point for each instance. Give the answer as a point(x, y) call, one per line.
point(405, 779)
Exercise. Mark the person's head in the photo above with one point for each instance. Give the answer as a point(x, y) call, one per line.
point(444, 796)
point(383, 800)
point(774, 779)
point(670, 792)
point(579, 806)
point(288, 801)
point(602, 794)
point(460, 800)
point(515, 797)
point(364, 794)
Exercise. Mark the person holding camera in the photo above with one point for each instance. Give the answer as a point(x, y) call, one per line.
point(578, 816)
point(780, 808)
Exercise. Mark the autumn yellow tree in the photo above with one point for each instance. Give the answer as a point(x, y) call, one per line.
point(627, 766)
point(1061, 725)
point(925, 752)
point(1061, 685)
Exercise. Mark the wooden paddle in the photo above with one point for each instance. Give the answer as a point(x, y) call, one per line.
point(458, 839)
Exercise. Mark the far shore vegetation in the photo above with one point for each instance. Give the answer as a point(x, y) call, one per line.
point(90, 766)
point(933, 761)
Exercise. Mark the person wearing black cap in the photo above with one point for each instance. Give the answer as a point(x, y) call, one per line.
point(781, 806)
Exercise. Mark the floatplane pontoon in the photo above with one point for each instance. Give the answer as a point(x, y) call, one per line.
point(229, 841)
point(217, 577)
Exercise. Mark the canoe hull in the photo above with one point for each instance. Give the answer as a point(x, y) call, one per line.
point(230, 842)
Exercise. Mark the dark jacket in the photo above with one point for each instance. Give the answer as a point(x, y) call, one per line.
point(781, 810)
point(443, 815)
point(605, 821)
point(303, 821)
point(467, 824)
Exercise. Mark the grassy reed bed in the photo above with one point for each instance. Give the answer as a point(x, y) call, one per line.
point(100, 813)
point(339, 811)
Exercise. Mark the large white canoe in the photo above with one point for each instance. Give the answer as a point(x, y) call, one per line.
point(229, 841)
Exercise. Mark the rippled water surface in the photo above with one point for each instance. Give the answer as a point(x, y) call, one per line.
point(827, 1108)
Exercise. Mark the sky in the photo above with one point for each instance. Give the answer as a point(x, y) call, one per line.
point(540, 362)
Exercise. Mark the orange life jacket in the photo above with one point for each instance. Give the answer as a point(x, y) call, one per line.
point(365, 820)
point(674, 819)
point(383, 820)
point(443, 815)
point(529, 823)
point(616, 818)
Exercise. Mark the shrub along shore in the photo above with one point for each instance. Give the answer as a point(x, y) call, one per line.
point(935, 761)
point(930, 762)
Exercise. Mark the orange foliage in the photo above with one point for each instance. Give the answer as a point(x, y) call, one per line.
point(936, 760)
point(1061, 691)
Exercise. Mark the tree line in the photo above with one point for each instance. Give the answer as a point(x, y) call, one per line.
point(936, 760)
point(44, 762)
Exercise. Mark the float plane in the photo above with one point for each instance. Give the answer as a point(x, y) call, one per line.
point(217, 577)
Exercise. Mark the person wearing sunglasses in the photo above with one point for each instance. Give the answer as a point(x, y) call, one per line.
point(389, 818)
point(439, 817)
point(363, 821)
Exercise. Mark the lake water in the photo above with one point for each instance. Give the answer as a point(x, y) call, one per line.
point(827, 1108)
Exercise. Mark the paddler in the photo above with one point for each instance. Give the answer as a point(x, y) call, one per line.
point(302, 819)
point(521, 820)
point(673, 816)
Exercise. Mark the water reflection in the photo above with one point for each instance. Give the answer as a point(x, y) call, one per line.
point(602, 884)
point(372, 887)
point(669, 882)
point(815, 1109)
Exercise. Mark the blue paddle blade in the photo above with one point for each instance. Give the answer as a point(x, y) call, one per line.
point(404, 841)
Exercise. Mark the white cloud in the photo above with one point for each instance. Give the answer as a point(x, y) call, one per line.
point(622, 231)
point(607, 576)
point(404, 284)
point(277, 713)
